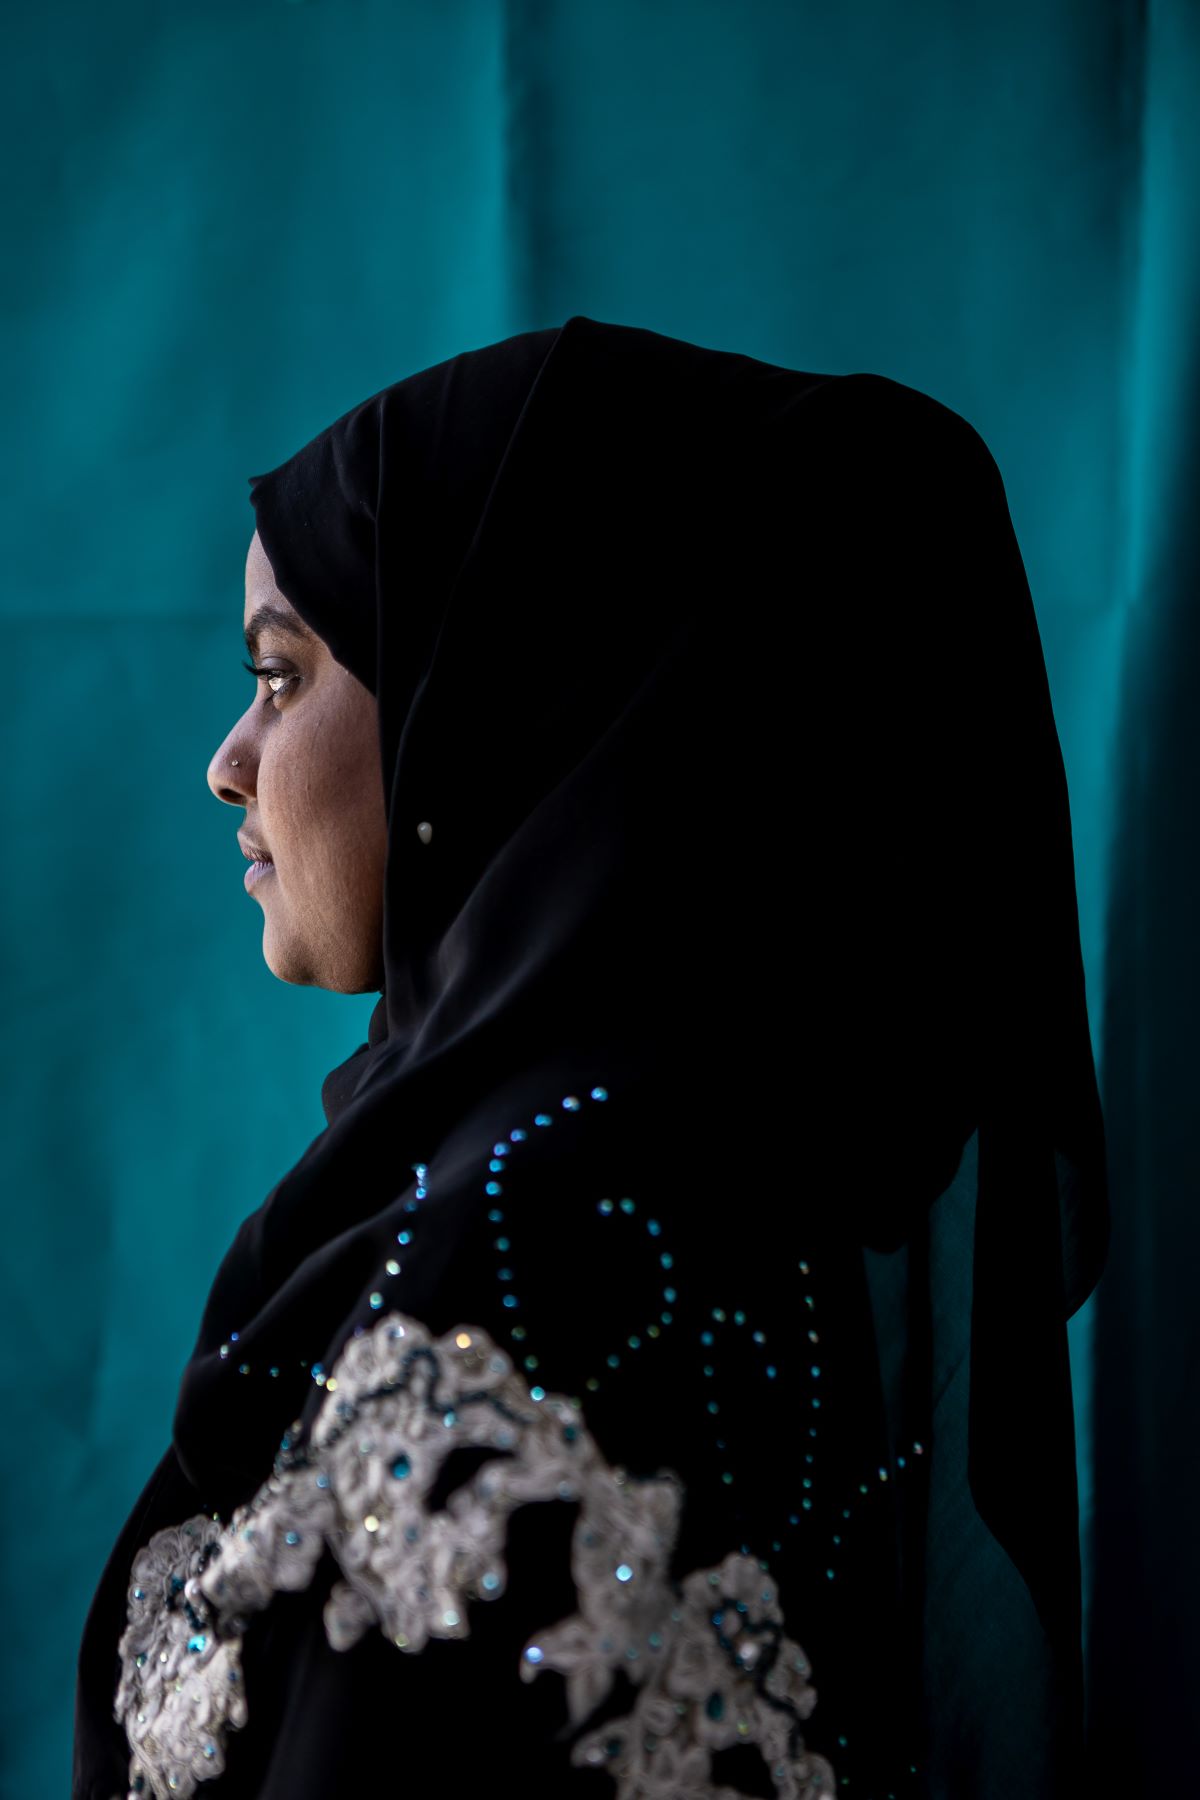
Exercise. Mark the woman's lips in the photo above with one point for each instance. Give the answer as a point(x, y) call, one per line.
point(256, 873)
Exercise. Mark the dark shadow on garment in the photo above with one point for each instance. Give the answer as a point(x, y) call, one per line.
point(992, 1710)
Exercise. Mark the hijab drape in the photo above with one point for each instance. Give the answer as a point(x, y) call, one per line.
point(721, 687)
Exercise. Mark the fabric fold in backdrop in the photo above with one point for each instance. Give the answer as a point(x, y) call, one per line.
point(722, 688)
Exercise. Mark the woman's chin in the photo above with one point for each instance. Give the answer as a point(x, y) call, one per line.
point(286, 959)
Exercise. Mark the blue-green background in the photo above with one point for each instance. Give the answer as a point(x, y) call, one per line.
point(224, 224)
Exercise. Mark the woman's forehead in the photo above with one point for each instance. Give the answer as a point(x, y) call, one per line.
point(261, 587)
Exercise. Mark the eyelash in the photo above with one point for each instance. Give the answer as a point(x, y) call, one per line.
point(263, 673)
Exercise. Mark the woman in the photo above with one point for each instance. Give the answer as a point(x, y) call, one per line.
point(611, 1400)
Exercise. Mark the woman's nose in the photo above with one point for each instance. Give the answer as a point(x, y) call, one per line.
point(229, 773)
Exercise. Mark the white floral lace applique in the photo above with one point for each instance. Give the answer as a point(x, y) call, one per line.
point(708, 1656)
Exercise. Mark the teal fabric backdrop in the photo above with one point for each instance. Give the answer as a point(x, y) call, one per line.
point(227, 223)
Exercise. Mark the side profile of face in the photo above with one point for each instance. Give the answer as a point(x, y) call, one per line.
point(309, 776)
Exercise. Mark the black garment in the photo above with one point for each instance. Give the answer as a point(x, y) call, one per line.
point(749, 908)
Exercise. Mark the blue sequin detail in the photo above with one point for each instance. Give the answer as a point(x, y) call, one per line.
point(740, 1317)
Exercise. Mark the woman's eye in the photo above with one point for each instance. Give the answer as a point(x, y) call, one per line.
point(269, 675)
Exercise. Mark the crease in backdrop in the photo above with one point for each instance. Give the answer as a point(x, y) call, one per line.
point(228, 224)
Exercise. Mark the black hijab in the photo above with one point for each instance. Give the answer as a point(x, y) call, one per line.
point(721, 689)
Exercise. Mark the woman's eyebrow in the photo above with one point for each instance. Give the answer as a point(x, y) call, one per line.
point(272, 617)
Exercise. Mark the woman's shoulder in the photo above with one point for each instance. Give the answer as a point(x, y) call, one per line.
point(444, 1417)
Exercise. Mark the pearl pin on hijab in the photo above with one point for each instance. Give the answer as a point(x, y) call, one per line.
point(424, 829)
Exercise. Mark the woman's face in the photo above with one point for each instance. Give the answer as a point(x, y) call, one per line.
point(309, 777)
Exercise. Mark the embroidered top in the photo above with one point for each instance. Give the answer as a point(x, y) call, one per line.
point(711, 1662)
